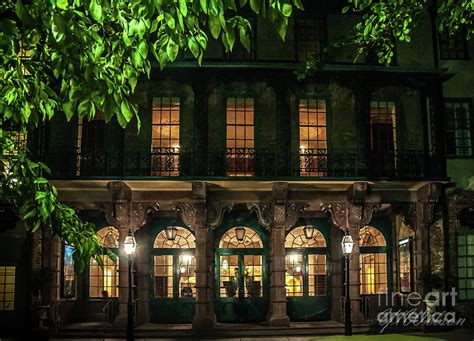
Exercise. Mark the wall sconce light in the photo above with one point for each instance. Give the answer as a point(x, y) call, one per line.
point(308, 231)
point(171, 232)
point(240, 233)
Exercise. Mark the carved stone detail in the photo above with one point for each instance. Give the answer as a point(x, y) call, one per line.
point(126, 215)
point(263, 211)
point(294, 210)
point(216, 212)
point(346, 214)
point(419, 214)
point(140, 212)
point(193, 214)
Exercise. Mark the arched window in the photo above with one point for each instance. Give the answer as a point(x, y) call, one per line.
point(175, 265)
point(240, 263)
point(103, 281)
point(305, 263)
point(373, 261)
point(251, 240)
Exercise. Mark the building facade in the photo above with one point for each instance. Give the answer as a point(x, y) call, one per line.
point(242, 180)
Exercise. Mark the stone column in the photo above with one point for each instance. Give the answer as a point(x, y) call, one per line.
point(142, 275)
point(277, 314)
point(337, 274)
point(203, 317)
point(354, 278)
point(121, 319)
point(193, 215)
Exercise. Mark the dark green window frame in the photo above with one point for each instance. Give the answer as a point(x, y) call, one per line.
point(465, 252)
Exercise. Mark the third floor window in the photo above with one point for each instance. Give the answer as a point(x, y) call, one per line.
point(459, 137)
point(383, 126)
point(310, 36)
point(453, 46)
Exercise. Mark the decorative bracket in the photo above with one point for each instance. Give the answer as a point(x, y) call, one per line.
point(216, 212)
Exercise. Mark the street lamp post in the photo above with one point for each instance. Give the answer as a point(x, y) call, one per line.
point(347, 244)
point(130, 246)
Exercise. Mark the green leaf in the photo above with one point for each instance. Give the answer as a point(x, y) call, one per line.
point(298, 4)
point(95, 9)
point(172, 50)
point(214, 26)
point(256, 5)
point(193, 47)
point(62, 4)
point(203, 5)
point(244, 38)
point(286, 10)
point(22, 14)
point(125, 110)
point(143, 49)
point(170, 21)
point(183, 7)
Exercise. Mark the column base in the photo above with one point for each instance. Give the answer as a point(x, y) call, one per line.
point(203, 322)
point(278, 321)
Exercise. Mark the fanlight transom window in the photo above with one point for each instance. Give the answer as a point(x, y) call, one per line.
point(370, 236)
point(108, 237)
point(184, 240)
point(251, 239)
point(297, 238)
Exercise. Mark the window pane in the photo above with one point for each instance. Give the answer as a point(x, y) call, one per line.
point(103, 281)
point(240, 137)
point(313, 138)
point(229, 276)
point(163, 276)
point(252, 276)
point(310, 34)
point(316, 275)
point(294, 275)
point(373, 273)
point(165, 136)
point(7, 288)
point(187, 275)
point(459, 133)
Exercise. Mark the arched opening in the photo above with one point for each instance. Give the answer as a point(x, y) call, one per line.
point(373, 261)
point(240, 276)
point(173, 277)
point(103, 281)
point(306, 277)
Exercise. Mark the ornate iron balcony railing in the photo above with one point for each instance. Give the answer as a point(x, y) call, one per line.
point(245, 162)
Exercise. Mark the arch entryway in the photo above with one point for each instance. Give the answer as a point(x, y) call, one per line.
point(308, 292)
point(173, 278)
point(241, 279)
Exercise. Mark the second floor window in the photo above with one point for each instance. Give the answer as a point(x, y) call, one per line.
point(240, 137)
point(310, 36)
point(453, 46)
point(313, 137)
point(91, 145)
point(383, 127)
point(165, 137)
point(459, 137)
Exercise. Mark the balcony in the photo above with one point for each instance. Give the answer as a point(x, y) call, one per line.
point(244, 163)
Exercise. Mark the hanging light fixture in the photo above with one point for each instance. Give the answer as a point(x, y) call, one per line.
point(129, 244)
point(347, 244)
point(171, 232)
point(308, 231)
point(240, 233)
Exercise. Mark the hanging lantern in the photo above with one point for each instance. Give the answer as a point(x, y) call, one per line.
point(240, 233)
point(308, 231)
point(171, 232)
point(129, 244)
point(347, 244)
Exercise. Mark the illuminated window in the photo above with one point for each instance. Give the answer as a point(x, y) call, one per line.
point(251, 239)
point(459, 136)
point(466, 266)
point(91, 145)
point(165, 137)
point(305, 263)
point(240, 137)
point(406, 260)
point(313, 137)
point(383, 126)
point(241, 274)
point(175, 272)
point(103, 281)
point(68, 279)
point(7, 288)
point(453, 46)
point(310, 36)
point(373, 261)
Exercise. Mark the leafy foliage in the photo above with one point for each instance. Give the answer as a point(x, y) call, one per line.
point(384, 23)
point(78, 57)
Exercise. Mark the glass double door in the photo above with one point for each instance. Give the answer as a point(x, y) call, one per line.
point(241, 290)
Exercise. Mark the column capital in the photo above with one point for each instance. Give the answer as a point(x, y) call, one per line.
point(278, 214)
point(192, 213)
point(419, 214)
point(346, 214)
point(216, 212)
